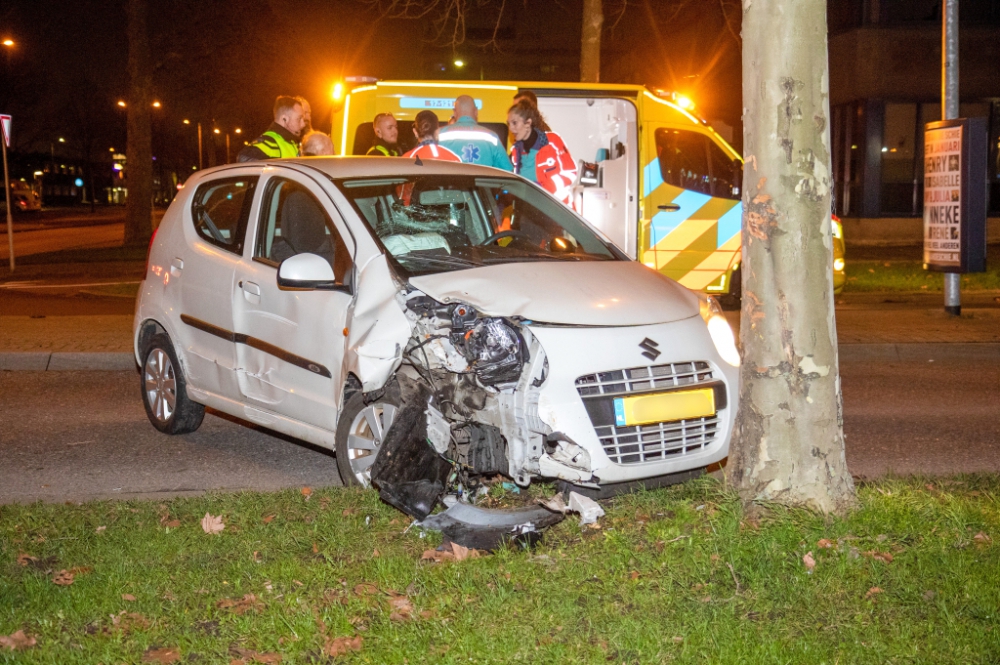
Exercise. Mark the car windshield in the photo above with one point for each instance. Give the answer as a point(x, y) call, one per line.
point(438, 223)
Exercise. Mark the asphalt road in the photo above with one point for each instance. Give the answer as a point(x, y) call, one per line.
point(76, 436)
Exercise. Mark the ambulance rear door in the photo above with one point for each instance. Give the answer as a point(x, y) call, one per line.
point(602, 131)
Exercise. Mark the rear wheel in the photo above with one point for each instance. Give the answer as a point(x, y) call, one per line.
point(360, 433)
point(164, 389)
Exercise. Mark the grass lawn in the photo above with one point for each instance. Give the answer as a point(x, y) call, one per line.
point(903, 275)
point(676, 575)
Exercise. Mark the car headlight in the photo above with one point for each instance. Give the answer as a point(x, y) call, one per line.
point(838, 265)
point(720, 331)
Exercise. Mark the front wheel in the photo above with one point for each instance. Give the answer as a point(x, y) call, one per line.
point(164, 389)
point(360, 433)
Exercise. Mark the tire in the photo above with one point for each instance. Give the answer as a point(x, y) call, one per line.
point(360, 432)
point(164, 389)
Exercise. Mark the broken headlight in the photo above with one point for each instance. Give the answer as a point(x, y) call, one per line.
point(495, 349)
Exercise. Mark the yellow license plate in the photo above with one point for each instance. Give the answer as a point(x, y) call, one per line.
point(664, 407)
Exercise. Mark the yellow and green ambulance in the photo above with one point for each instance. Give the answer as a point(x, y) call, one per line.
point(654, 177)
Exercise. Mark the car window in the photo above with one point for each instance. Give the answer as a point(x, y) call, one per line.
point(438, 223)
point(294, 222)
point(683, 158)
point(220, 210)
point(727, 173)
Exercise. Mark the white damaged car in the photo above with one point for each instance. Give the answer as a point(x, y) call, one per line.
point(455, 314)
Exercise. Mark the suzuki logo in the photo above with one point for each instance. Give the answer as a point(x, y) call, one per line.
point(650, 349)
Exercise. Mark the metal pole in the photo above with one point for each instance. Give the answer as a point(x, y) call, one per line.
point(6, 190)
point(227, 147)
point(201, 164)
point(949, 110)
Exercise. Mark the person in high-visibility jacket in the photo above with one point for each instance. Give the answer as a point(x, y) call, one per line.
point(282, 138)
point(386, 135)
point(425, 128)
point(540, 156)
point(473, 143)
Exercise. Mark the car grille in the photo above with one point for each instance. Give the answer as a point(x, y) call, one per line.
point(657, 441)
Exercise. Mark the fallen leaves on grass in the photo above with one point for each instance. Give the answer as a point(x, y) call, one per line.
point(267, 519)
point(65, 577)
point(165, 655)
point(341, 645)
point(212, 524)
point(874, 591)
point(824, 544)
point(306, 492)
point(982, 538)
point(17, 640)
point(402, 608)
point(884, 557)
point(251, 656)
point(809, 561)
point(451, 552)
point(128, 621)
point(241, 605)
point(24, 559)
point(129, 597)
point(366, 589)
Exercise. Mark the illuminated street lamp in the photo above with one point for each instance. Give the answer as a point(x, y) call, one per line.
point(156, 105)
point(8, 43)
point(460, 63)
point(121, 103)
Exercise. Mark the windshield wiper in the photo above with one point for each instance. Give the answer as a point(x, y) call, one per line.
point(438, 260)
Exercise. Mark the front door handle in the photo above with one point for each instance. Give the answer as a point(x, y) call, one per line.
point(176, 266)
point(251, 291)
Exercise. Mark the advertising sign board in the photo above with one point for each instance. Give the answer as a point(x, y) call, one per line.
point(955, 195)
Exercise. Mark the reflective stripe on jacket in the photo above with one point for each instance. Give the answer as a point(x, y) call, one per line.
point(275, 146)
point(474, 144)
point(431, 150)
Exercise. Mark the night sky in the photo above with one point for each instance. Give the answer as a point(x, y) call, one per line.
point(223, 63)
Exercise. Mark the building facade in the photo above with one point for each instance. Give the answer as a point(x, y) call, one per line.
point(885, 84)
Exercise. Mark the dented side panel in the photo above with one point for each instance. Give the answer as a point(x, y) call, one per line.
point(377, 328)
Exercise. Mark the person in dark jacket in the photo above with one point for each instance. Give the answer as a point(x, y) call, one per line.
point(282, 138)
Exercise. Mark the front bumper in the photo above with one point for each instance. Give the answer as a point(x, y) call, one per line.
point(579, 356)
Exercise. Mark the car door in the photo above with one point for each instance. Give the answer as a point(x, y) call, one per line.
point(291, 354)
point(214, 231)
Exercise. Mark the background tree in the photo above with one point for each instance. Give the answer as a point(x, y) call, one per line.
point(789, 444)
point(590, 41)
point(139, 147)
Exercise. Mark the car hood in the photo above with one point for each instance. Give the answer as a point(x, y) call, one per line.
point(588, 293)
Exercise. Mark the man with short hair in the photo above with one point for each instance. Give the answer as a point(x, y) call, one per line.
point(386, 136)
point(282, 138)
point(315, 144)
point(472, 142)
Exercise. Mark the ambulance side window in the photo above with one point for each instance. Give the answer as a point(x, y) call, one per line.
point(683, 158)
point(727, 173)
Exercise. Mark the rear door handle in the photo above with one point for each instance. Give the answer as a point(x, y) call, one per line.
point(251, 291)
point(669, 207)
point(176, 266)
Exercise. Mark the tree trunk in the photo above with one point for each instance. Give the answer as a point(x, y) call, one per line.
point(590, 43)
point(139, 149)
point(789, 439)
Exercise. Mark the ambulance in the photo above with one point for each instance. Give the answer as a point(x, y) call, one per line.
point(653, 176)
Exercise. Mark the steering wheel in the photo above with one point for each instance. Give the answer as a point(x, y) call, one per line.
point(509, 233)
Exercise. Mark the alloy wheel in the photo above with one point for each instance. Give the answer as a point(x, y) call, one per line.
point(160, 383)
point(367, 433)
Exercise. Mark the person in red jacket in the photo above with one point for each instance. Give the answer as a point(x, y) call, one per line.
point(425, 128)
point(538, 155)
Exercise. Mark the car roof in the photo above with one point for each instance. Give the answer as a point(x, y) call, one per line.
point(365, 167)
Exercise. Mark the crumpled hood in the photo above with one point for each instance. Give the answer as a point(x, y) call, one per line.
point(589, 293)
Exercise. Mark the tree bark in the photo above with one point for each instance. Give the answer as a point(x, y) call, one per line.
point(139, 149)
point(789, 440)
point(590, 42)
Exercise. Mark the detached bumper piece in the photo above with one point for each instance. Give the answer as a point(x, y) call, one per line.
point(408, 472)
point(486, 529)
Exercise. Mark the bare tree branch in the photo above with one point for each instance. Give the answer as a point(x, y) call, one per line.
point(729, 25)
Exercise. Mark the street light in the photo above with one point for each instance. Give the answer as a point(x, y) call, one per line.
point(460, 63)
point(156, 105)
point(121, 103)
point(8, 43)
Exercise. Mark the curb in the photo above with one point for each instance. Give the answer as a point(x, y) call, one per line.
point(57, 362)
point(920, 351)
point(42, 361)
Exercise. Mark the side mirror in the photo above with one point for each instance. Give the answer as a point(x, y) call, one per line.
point(306, 271)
